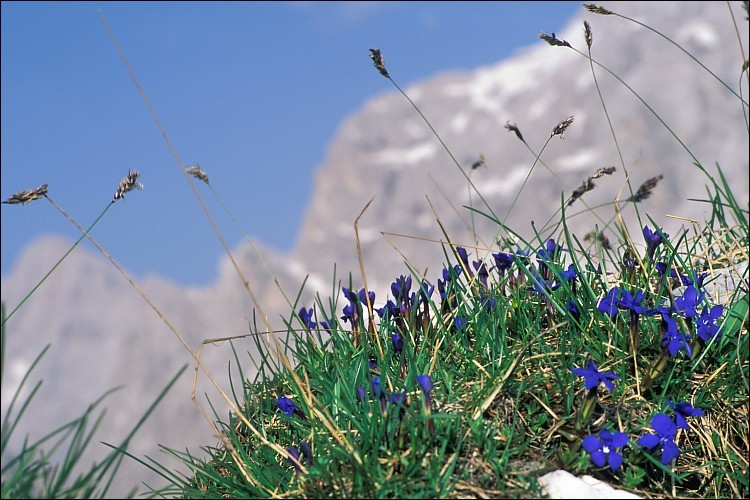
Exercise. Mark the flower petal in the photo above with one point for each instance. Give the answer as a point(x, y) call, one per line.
point(648, 441)
point(615, 460)
point(599, 458)
point(591, 444)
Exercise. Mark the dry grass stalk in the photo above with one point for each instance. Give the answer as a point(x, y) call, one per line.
point(645, 190)
point(553, 40)
point(27, 196)
point(377, 60)
point(196, 172)
point(129, 183)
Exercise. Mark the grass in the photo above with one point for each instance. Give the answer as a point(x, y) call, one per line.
point(477, 380)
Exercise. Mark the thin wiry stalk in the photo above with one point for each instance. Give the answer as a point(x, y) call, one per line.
point(57, 264)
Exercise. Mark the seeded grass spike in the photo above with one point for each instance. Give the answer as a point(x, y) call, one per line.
point(597, 9)
point(27, 196)
point(196, 172)
point(587, 35)
point(128, 184)
point(377, 60)
point(513, 128)
point(644, 191)
point(561, 127)
point(553, 40)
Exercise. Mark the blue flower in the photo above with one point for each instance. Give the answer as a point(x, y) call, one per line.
point(604, 448)
point(550, 252)
point(707, 327)
point(608, 303)
point(632, 303)
point(683, 410)
point(425, 292)
point(389, 310)
point(665, 432)
point(570, 274)
point(503, 261)
point(306, 452)
point(593, 377)
point(398, 342)
point(306, 315)
point(397, 398)
point(653, 240)
point(293, 457)
point(465, 259)
point(685, 305)
point(376, 386)
point(361, 393)
point(400, 289)
point(482, 273)
point(661, 268)
point(573, 309)
point(674, 340)
point(286, 405)
point(425, 382)
point(693, 279)
point(459, 323)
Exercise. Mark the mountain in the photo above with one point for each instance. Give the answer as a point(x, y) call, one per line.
point(103, 334)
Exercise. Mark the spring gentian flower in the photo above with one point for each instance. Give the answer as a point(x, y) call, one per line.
point(693, 279)
point(665, 433)
point(503, 261)
point(573, 309)
point(398, 342)
point(465, 259)
point(361, 393)
point(425, 382)
point(675, 341)
point(653, 240)
point(608, 303)
point(304, 447)
point(289, 408)
point(685, 305)
point(570, 274)
point(293, 458)
point(604, 448)
point(632, 303)
point(379, 393)
point(683, 410)
point(306, 316)
point(593, 377)
point(400, 290)
point(707, 327)
point(482, 273)
point(397, 398)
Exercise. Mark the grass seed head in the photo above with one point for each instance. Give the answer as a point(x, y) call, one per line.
point(561, 127)
point(553, 40)
point(129, 183)
point(377, 60)
point(645, 190)
point(513, 128)
point(27, 196)
point(587, 35)
point(196, 172)
point(597, 9)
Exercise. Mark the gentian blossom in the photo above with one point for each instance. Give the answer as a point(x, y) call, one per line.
point(503, 261)
point(653, 240)
point(293, 458)
point(593, 377)
point(706, 323)
point(609, 303)
point(675, 341)
point(304, 446)
point(683, 410)
point(398, 342)
point(685, 305)
point(603, 449)
point(306, 316)
point(665, 431)
point(465, 259)
point(288, 407)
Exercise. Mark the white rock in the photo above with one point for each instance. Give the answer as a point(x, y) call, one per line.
point(563, 484)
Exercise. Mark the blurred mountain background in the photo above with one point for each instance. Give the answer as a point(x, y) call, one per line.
point(104, 335)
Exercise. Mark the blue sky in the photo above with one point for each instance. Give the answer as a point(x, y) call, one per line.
point(253, 92)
